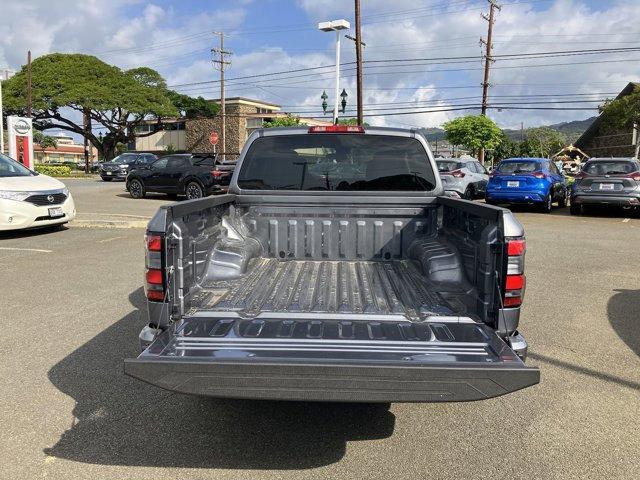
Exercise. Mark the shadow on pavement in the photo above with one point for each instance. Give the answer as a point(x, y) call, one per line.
point(35, 232)
point(623, 311)
point(121, 421)
point(150, 196)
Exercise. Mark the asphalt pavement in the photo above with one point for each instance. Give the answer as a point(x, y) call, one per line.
point(72, 307)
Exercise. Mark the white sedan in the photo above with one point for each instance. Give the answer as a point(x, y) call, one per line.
point(31, 200)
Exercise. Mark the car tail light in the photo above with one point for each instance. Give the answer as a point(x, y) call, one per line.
point(153, 243)
point(458, 173)
point(635, 176)
point(516, 281)
point(539, 175)
point(580, 175)
point(336, 129)
point(155, 283)
point(217, 173)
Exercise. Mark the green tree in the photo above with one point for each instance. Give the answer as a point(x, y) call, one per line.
point(542, 142)
point(67, 86)
point(506, 148)
point(286, 121)
point(351, 121)
point(473, 132)
point(45, 141)
point(623, 112)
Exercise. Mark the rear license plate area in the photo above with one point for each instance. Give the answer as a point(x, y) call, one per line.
point(607, 186)
point(513, 184)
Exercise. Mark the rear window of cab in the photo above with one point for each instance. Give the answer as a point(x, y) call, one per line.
point(609, 167)
point(519, 167)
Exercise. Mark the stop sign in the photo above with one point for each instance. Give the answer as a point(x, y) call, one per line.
point(213, 138)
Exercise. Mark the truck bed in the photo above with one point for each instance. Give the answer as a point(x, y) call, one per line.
point(394, 288)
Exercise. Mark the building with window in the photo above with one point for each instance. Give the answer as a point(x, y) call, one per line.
point(67, 150)
point(243, 116)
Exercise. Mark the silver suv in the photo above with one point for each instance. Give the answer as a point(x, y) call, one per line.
point(464, 176)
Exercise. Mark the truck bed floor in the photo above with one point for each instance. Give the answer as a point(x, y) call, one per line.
point(394, 287)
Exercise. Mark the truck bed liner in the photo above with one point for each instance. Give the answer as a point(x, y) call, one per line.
point(344, 287)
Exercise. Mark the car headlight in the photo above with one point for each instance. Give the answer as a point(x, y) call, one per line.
point(124, 165)
point(10, 195)
point(65, 190)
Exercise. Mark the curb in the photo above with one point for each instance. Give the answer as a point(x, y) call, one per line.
point(108, 220)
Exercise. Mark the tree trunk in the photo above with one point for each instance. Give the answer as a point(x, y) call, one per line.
point(107, 148)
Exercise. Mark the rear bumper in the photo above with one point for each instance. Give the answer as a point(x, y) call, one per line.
point(515, 197)
point(617, 200)
point(333, 382)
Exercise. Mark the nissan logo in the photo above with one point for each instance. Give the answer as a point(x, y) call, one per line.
point(21, 127)
point(50, 198)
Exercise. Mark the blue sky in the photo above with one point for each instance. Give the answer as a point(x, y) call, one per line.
point(268, 36)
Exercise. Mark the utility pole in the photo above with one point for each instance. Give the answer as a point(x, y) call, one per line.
point(87, 129)
point(488, 59)
point(1, 120)
point(29, 104)
point(358, 63)
point(221, 63)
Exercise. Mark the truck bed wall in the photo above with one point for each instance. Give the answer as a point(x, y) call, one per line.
point(219, 240)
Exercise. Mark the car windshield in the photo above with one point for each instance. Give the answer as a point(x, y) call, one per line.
point(448, 165)
point(336, 162)
point(609, 168)
point(518, 167)
point(124, 158)
point(10, 168)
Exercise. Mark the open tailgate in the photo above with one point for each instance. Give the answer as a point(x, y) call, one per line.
point(332, 360)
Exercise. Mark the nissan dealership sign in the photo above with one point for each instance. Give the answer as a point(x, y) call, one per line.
point(20, 131)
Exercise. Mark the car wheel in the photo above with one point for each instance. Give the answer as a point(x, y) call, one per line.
point(107, 179)
point(193, 191)
point(468, 193)
point(575, 209)
point(548, 204)
point(136, 189)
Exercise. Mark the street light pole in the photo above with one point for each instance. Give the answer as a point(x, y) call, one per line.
point(335, 26)
point(337, 86)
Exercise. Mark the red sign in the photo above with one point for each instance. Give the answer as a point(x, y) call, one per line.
point(213, 138)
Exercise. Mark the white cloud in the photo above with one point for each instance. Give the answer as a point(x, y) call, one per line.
point(177, 44)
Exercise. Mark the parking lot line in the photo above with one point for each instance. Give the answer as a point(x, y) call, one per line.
point(26, 249)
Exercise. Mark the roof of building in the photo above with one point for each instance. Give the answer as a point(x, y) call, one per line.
point(593, 128)
point(248, 101)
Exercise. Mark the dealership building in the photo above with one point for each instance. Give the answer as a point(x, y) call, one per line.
point(243, 116)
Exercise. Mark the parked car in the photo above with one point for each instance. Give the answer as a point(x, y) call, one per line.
point(194, 176)
point(465, 176)
point(304, 286)
point(535, 181)
point(606, 181)
point(119, 167)
point(31, 200)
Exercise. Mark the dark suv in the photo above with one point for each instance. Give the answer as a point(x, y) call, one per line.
point(120, 166)
point(606, 181)
point(194, 176)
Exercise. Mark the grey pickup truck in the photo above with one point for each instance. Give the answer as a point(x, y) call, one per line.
point(335, 270)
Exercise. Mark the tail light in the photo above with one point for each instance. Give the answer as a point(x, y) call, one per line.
point(336, 129)
point(635, 176)
point(217, 173)
point(580, 175)
point(458, 173)
point(155, 284)
point(516, 281)
point(539, 175)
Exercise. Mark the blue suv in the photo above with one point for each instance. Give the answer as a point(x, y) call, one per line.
point(535, 181)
